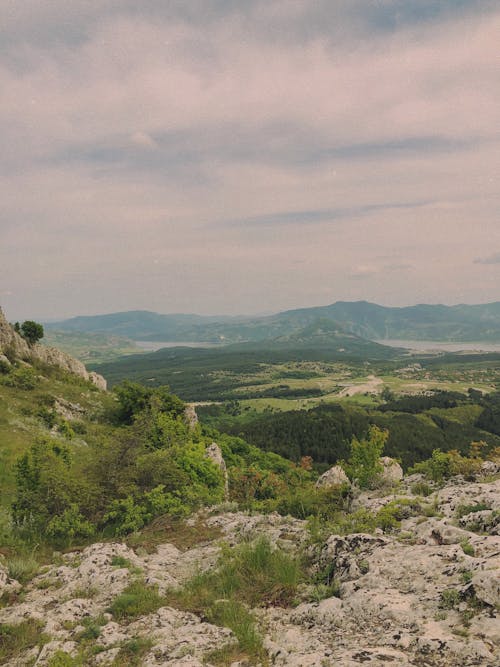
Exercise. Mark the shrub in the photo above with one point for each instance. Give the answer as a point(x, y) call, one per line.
point(22, 377)
point(364, 465)
point(443, 465)
point(69, 525)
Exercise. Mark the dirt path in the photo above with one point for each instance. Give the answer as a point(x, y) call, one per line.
point(373, 385)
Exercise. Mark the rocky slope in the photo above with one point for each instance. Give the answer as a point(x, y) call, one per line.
point(12, 345)
point(426, 593)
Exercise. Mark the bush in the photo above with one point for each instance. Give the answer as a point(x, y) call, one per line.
point(22, 377)
point(364, 465)
point(443, 465)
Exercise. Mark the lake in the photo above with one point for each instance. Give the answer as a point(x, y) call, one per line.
point(440, 346)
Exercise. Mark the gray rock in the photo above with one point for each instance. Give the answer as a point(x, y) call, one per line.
point(392, 472)
point(486, 584)
point(214, 453)
point(335, 476)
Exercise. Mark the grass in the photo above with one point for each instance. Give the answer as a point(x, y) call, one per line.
point(138, 599)
point(132, 652)
point(22, 568)
point(249, 575)
point(14, 639)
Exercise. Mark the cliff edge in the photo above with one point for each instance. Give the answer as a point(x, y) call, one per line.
point(14, 346)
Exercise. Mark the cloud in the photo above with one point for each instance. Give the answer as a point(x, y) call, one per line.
point(188, 155)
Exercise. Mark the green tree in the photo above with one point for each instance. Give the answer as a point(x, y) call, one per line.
point(32, 331)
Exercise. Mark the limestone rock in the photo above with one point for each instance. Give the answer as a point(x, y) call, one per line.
point(408, 597)
point(190, 416)
point(15, 345)
point(392, 472)
point(487, 586)
point(335, 476)
point(214, 453)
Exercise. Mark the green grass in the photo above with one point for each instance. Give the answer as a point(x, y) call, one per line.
point(132, 652)
point(248, 576)
point(22, 568)
point(14, 639)
point(138, 599)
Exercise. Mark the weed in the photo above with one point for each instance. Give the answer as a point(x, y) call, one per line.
point(364, 566)
point(63, 659)
point(85, 593)
point(120, 561)
point(247, 575)
point(466, 576)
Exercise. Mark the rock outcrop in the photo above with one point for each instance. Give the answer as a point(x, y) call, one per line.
point(214, 453)
point(425, 594)
point(392, 472)
point(12, 345)
point(335, 476)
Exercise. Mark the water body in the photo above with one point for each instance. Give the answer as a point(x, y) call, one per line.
point(153, 345)
point(440, 346)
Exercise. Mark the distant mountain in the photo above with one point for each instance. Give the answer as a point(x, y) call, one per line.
point(367, 320)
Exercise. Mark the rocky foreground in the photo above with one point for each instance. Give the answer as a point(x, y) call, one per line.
point(426, 593)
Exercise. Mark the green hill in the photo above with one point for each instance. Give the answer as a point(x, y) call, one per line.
point(368, 320)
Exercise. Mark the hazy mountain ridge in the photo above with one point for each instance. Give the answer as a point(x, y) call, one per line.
point(480, 322)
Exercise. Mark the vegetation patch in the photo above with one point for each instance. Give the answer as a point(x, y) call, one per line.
point(14, 639)
point(138, 599)
point(247, 576)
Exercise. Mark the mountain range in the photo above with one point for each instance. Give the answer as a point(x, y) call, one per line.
point(459, 323)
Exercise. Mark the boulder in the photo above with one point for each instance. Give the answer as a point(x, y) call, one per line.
point(333, 477)
point(392, 472)
point(486, 585)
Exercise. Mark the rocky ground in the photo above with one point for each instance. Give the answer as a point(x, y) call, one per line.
point(426, 594)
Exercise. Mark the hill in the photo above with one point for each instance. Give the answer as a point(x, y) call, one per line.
point(421, 322)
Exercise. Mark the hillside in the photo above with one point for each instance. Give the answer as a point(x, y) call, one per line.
point(421, 322)
point(133, 535)
point(409, 581)
point(214, 374)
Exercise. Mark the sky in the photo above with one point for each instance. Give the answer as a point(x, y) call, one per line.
point(247, 156)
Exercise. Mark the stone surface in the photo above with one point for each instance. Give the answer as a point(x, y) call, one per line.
point(214, 453)
point(392, 472)
point(335, 476)
point(14, 345)
point(412, 597)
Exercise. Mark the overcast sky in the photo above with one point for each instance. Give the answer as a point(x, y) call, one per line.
point(247, 156)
